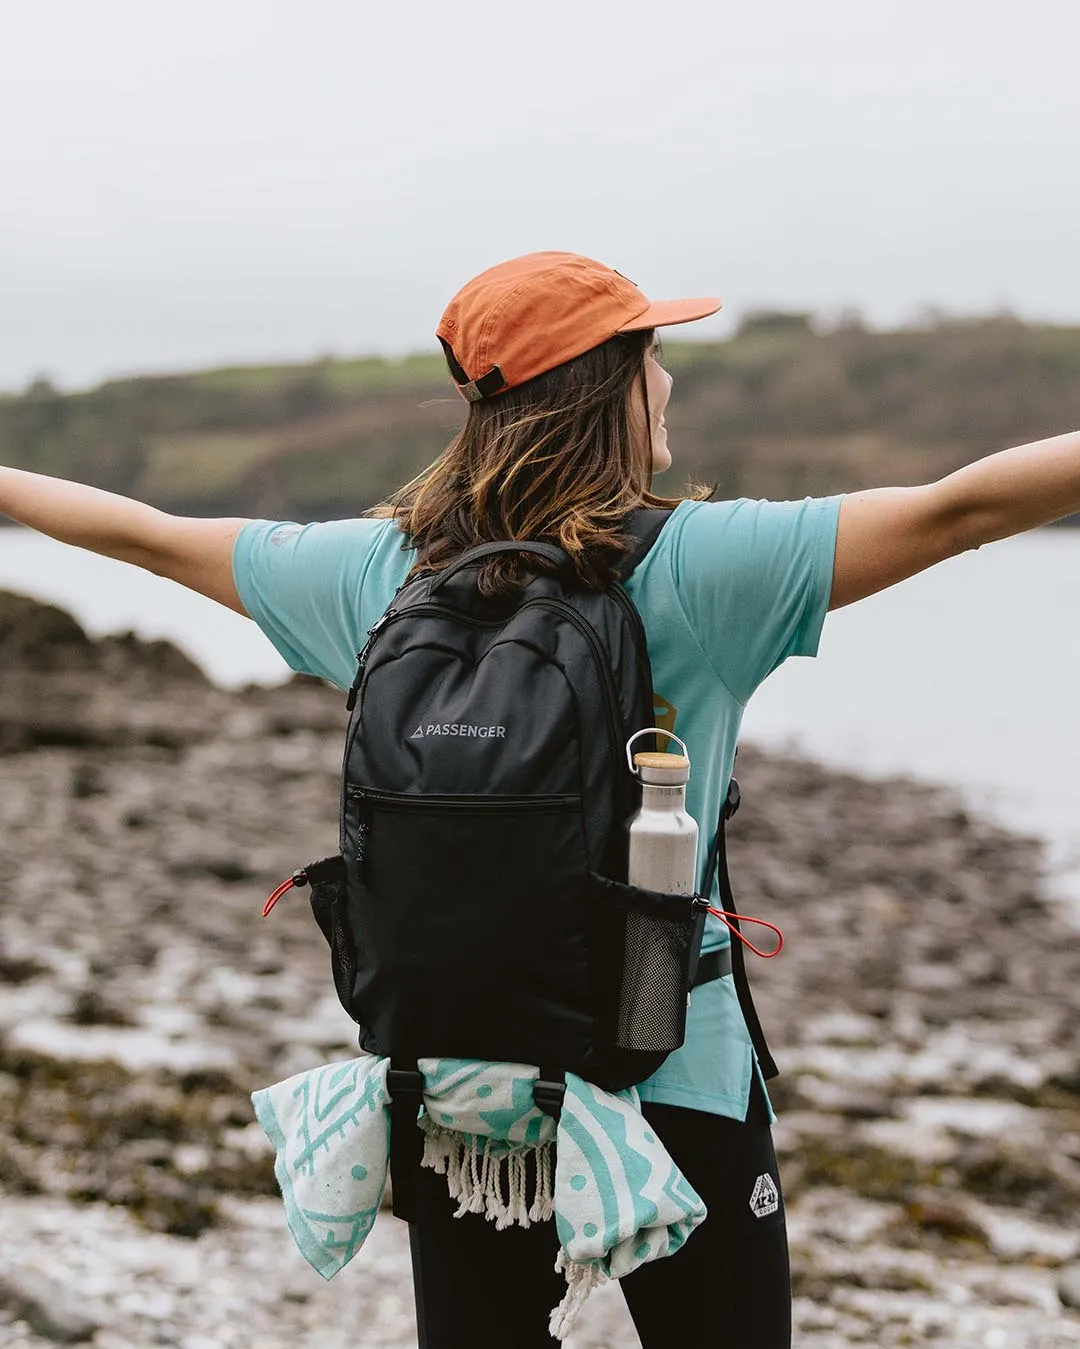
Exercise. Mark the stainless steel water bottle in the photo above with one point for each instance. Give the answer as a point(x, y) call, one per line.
point(663, 857)
point(663, 837)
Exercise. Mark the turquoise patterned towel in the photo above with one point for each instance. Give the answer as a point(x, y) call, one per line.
point(617, 1198)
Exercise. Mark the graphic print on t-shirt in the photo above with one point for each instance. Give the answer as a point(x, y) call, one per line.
point(664, 713)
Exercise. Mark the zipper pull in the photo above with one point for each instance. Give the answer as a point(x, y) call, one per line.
point(354, 688)
point(361, 661)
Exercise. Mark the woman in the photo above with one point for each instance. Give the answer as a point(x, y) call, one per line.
point(556, 356)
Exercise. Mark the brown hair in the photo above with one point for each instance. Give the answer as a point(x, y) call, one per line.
point(557, 458)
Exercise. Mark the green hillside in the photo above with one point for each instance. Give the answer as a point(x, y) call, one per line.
point(780, 410)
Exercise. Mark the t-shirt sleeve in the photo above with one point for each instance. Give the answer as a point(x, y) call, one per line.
point(304, 586)
point(754, 579)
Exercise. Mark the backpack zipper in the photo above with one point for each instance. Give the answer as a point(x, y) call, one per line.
point(423, 610)
point(510, 804)
point(603, 664)
point(445, 611)
point(641, 645)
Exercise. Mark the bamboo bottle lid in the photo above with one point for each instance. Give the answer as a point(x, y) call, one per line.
point(662, 770)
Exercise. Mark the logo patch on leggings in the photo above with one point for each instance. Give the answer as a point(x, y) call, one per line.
point(766, 1197)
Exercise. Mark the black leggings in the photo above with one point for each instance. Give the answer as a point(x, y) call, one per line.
point(477, 1288)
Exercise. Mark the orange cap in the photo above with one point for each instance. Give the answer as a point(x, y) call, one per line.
point(523, 317)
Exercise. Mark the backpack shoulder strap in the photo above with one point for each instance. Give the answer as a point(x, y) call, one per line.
point(483, 551)
point(717, 858)
point(643, 526)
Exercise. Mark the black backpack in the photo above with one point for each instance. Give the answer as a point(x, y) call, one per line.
point(479, 906)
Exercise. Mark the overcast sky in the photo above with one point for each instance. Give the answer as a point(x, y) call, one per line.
point(236, 180)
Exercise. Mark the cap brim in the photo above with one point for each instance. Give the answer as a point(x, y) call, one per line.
point(666, 313)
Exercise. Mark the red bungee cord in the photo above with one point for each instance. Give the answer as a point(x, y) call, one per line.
point(726, 918)
point(299, 878)
point(295, 881)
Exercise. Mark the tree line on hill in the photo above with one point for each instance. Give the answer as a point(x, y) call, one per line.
point(780, 410)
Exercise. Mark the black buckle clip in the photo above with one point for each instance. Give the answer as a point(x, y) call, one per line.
point(549, 1096)
point(734, 800)
point(402, 1083)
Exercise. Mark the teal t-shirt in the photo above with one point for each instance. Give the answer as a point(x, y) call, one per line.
point(729, 591)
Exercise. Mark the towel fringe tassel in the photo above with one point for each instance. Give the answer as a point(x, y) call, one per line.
point(580, 1282)
point(494, 1181)
point(491, 1181)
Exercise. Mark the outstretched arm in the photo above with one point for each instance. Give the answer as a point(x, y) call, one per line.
point(197, 553)
point(890, 533)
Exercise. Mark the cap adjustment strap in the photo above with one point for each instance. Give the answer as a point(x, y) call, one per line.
point(485, 386)
point(473, 389)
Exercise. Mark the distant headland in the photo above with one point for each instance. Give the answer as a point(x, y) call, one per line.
point(785, 408)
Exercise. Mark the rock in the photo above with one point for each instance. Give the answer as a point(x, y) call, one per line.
point(223, 865)
point(855, 1102)
point(86, 782)
point(42, 639)
point(947, 1220)
point(1067, 1077)
point(92, 1007)
point(1068, 1287)
point(928, 978)
point(19, 969)
point(36, 636)
point(46, 1306)
point(59, 688)
point(843, 1027)
point(117, 655)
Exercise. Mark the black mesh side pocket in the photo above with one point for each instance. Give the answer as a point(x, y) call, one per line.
point(649, 948)
point(327, 881)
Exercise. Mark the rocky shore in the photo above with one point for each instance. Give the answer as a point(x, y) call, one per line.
point(925, 1014)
